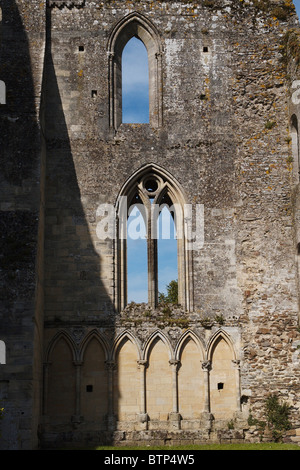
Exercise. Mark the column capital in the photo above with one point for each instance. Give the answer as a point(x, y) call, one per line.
point(174, 362)
point(110, 365)
point(77, 363)
point(206, 365)
point(143, 363)
point(236, 363)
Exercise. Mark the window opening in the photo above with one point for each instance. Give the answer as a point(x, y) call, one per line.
point(151, 243)
point(155, 194)
point(137, 271)
point(135, 83)
point(167, 253)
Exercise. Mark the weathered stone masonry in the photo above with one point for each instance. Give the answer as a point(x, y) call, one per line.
point(81, 365)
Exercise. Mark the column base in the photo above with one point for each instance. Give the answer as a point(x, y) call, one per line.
point(111, 422)
point(143, 419)
point(175, 420)
point(206, 420)
point(76, 420)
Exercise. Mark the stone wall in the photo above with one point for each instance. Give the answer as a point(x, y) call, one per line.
point(219, 134)
point(21, 221)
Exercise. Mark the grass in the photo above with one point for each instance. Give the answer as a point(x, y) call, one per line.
point(261, 446)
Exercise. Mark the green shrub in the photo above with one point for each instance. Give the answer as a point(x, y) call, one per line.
point(277, 416)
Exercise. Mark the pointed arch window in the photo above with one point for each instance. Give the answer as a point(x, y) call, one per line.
point(152, 192)
point(136, 26)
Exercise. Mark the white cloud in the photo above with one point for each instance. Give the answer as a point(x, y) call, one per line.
point(135, 82)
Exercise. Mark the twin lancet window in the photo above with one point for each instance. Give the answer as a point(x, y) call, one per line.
point(151, 237)
point(149, 225)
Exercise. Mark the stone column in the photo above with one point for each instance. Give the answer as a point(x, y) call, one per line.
point(206, 366)
point(236, 365)
point(77, 419)
point(45, 388)
point(111, 419)
point(174, 416)
point(206, 420)
point(143, 416)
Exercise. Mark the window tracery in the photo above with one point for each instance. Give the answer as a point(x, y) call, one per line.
point(152, 191)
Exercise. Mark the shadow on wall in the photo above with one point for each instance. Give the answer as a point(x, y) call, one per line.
point(78, 310)
point(19, 164)
point(19, 220)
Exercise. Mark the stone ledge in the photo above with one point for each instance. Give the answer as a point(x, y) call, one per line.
point(66, 3)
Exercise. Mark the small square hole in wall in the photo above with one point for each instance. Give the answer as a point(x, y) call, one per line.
point(220, 386)
point(81, 48)
point(94, 93)
point(205, 49)
point(89, 388)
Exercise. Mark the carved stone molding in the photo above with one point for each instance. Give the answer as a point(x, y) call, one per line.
point(77, 334)
point(206, 365)
point(66, 3)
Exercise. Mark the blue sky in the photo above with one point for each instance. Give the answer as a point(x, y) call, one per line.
point(135, 85)
point(135, 82)
point(137, 272)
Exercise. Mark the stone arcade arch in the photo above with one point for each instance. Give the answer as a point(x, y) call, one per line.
point(134, 24)
point(60, 379)
point(153, 384)
point(191, 385)
point(159, 378)
point(224, 387)
point(126, 384)
point(93, 387)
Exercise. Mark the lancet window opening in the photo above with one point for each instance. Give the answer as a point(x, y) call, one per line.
point(135, 83)
point(138, 26)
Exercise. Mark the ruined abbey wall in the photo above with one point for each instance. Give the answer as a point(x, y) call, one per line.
point(81, 364)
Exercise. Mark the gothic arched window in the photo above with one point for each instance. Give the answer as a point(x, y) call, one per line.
point(152, 191)
point(134, 26)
